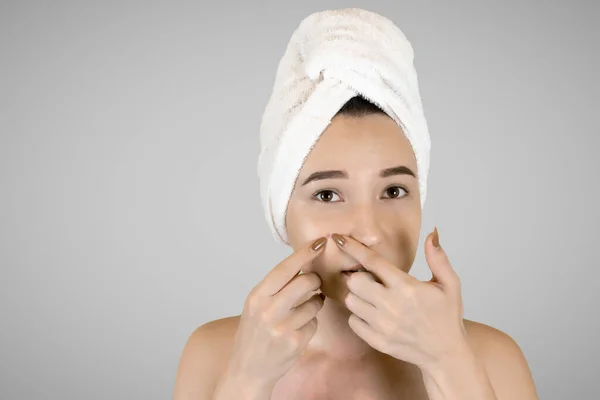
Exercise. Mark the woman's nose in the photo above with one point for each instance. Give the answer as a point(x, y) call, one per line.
point(365, 225)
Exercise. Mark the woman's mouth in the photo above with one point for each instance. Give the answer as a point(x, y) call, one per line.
point(356, 268)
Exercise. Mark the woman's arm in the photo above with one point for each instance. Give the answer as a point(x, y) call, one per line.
point(203, 372)
point(197, 371)
point(491, 367)
point(506, 366)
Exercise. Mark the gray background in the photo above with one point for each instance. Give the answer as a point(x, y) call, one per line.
point(129, 202)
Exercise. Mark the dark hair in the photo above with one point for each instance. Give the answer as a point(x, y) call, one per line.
point(359, 106)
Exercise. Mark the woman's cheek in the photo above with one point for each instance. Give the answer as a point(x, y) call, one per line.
point(315, 226)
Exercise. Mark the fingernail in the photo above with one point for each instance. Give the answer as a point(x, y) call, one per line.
point(339, 239)
point(436, 238)
point(317, 244)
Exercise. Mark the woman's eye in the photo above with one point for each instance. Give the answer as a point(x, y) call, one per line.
point(395, 191)
point(325, 196)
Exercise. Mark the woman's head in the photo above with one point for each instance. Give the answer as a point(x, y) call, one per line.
point(331, 57)
point(360, 180)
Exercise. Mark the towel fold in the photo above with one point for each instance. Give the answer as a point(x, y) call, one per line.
point(331, 57)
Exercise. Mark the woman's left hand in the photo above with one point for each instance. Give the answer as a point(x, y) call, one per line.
point(411, 320)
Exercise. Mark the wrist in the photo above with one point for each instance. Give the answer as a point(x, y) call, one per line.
point(459, 354)
point(458, 376)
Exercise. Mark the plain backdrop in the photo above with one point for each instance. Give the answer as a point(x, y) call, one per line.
point(129, 203)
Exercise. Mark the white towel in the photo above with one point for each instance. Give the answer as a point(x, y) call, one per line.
point(333, 56)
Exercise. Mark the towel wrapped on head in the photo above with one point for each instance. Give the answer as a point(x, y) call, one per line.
point(332, 56)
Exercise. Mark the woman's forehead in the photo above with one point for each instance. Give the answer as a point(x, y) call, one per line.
point(374, 140)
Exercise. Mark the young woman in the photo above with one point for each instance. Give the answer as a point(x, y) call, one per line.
point(341, 318)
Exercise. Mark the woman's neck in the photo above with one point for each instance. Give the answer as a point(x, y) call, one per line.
point(335, 338)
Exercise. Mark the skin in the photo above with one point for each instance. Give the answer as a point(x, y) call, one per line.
point(383, 213)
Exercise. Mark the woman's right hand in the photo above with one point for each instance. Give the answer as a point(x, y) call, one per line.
point(274, 329)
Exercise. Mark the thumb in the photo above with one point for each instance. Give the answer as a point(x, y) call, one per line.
point(442, 272)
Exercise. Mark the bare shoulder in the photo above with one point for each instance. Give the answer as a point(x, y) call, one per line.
point(504, 361)
point(204, 358)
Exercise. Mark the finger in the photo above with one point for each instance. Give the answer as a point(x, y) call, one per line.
point(367, 333)
point(441, 270)
point(287, 269)
point(308, 331)
point(363, 309)
point(363, 285)
point(371, 260)
point(299, 289)
point(304, 293)
point(305, 312)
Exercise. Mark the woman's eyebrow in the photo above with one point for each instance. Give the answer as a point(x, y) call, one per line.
point(384, 173)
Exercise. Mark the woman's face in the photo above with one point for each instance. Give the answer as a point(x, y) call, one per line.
point(381, 210)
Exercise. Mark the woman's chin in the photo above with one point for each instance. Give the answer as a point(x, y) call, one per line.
point(336, 293)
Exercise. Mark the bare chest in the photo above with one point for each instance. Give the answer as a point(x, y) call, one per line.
point(355, 384)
